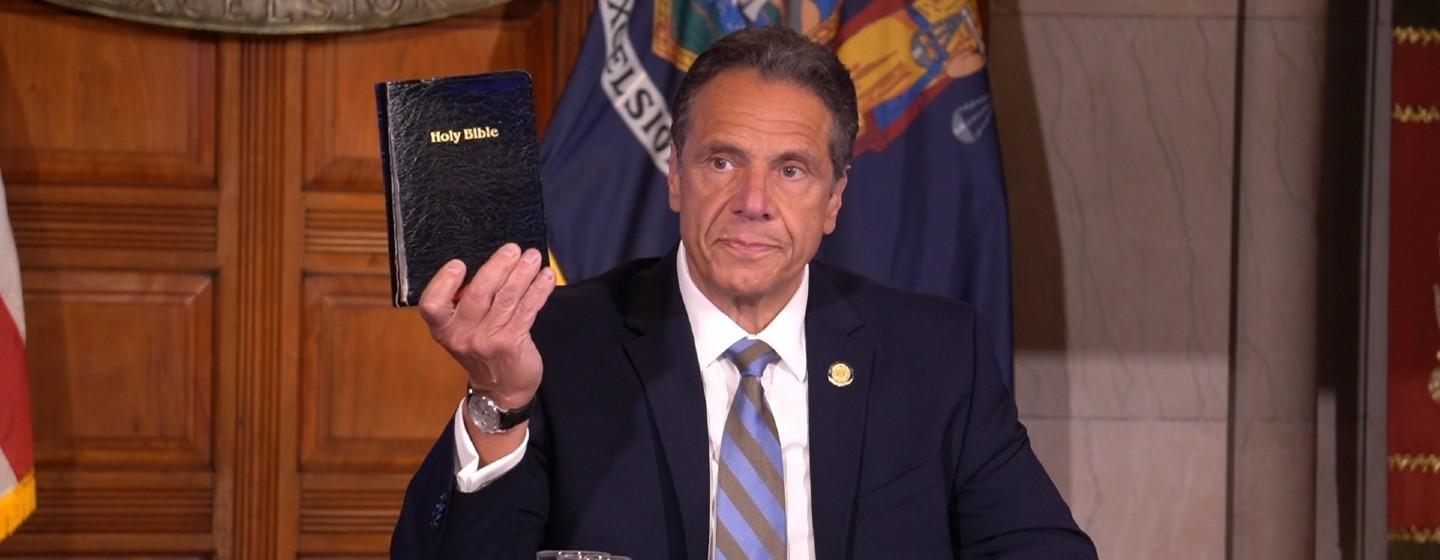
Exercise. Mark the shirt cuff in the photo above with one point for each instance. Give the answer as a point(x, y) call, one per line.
point(469, 475)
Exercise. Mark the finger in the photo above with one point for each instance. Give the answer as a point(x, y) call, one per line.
point(503, 307)
point(437, 302)
point(533, 300)
point(475, 301)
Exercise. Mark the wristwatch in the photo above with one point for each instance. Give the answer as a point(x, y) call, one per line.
point(489, 418)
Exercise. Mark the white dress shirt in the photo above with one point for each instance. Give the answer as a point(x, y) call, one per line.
point(785, 392)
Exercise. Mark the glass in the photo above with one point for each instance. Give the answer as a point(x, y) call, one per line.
point(577, 555)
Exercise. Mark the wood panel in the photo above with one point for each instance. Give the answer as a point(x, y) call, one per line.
point(376, 386)
point(109, 151)
point(348, 513)
point(341, 139)
point(113, 342)
point(216, 370)
point(124, 105)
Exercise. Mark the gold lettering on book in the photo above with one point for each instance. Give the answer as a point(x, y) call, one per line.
point(439, 136)
point(481, 133)
point(455, 136)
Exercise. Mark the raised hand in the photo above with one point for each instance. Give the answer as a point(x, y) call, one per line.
point(486, 326)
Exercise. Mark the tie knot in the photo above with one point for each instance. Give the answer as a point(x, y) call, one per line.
point(751, 356)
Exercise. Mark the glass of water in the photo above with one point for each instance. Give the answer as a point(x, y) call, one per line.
point(577, 555)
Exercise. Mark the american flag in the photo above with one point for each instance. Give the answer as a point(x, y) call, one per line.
point(17, 450)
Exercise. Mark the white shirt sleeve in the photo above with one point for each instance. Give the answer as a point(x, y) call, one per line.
point(469, 475)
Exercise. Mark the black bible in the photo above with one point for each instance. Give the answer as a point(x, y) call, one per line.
point(462, 173)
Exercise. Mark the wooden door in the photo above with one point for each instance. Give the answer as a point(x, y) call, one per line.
point(215, 368)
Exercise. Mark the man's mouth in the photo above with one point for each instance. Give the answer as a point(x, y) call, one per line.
point(747, 248)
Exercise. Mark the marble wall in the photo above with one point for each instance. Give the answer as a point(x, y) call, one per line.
point(1300, 188)
point(1168, 263)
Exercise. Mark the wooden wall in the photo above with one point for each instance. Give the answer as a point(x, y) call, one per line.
point(216, 370)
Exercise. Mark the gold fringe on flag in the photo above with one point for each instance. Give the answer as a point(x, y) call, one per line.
point(1415, 535)
point(1406, 462)
point(17, 505)
point(1416, 114)
point(1425, 36)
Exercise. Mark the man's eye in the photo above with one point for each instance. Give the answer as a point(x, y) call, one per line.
point(792, 172)
point(721, 164)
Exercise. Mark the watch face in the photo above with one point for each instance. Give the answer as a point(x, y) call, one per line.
point(484, 413)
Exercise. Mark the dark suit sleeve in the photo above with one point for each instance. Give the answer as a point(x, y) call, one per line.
point(505, 519)
point(1004, 504)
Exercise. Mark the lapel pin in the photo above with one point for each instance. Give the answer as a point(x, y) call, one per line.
point(841, 374)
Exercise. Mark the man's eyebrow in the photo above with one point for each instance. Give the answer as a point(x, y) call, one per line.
point(720, 146)
point(803, 156)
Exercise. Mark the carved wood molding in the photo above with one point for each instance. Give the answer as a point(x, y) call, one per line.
point(349, 513)
point(345, 233)
point(113, 219)
point(114, 227)
point(104, 512)
point(278, 17)
point(124, 503)
point(350, 510)
point(358, 228)
point(265, 272)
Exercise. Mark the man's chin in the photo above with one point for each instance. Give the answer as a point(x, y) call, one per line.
point(752, 287)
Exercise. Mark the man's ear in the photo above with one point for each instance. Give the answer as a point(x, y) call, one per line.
point(832, 206)
point(672, 179)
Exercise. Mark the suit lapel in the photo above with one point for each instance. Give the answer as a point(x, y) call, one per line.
point(837, 413)
point(664, 357)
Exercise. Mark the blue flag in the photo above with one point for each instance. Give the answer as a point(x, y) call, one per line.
point(925, 206)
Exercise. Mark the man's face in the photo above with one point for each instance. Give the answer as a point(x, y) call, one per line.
point(754, 185)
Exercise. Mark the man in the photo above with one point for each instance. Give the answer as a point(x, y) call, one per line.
point(732, 399)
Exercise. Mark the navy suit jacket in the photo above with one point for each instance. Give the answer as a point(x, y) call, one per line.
point(921, 456)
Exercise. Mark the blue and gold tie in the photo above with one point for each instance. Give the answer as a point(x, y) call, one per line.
point(750, 499)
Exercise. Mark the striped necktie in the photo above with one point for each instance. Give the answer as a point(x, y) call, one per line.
point(750, 498)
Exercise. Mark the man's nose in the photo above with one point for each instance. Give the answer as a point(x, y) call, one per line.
point(752, 200)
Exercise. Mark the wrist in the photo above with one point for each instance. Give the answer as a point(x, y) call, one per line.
point(502, 399)
point(492, 415)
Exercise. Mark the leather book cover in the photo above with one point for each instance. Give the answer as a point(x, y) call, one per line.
point(462, 173)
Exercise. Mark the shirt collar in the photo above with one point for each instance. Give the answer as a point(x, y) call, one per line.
point(715, 331)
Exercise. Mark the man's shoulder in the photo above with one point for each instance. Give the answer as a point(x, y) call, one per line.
point(879, 302)
point(599, 297)
point(611, 284)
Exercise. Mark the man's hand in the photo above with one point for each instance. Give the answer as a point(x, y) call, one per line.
point(486, 326)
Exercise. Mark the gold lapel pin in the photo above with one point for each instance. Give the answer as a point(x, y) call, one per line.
point(841, 374)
